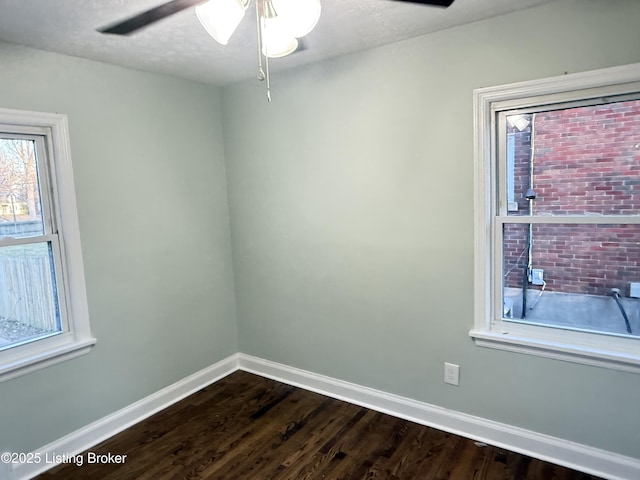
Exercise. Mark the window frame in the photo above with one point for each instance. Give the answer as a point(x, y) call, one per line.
point(62, 230)
point(603, 350)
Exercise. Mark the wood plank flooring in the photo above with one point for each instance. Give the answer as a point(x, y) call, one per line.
point(247, 427)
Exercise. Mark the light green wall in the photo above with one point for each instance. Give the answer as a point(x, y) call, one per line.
point(150, 183)
point(352, 225)
point(351, 199)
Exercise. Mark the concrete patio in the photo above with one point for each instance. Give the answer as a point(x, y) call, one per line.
point(590, 312)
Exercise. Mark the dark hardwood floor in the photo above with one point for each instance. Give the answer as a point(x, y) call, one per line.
point(248, 427)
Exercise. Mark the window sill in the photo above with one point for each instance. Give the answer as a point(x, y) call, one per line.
point(41, 358)
point(560, 351)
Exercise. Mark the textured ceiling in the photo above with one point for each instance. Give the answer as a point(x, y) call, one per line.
point(180, 46)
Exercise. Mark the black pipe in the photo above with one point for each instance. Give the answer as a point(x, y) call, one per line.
point(525, 276)
point(525, 282)
point(616, 296)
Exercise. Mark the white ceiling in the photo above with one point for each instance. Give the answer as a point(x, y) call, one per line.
point(180, 46)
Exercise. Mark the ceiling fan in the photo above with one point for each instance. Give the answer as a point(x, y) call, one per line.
point(280, 23)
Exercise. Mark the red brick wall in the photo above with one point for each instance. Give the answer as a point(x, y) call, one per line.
point(587, 160)
point(587, 259)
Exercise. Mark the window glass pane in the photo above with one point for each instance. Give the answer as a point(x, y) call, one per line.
point(20, 205)
point(574, 276)
point(28, 294)
point(575, 161)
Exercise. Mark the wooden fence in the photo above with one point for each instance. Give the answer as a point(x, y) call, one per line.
point(27, 291)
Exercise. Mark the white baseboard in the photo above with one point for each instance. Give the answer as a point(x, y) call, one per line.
point(544, 447)
point(562, 452)
point(96, 432)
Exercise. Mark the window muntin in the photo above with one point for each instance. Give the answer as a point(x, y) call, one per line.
point(41, 273)
point(512, 215)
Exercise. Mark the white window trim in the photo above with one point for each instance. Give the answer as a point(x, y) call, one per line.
point(77, 340)
point(575, 346)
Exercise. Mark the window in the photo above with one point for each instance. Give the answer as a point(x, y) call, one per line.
point(557, 259)
point(43, 308)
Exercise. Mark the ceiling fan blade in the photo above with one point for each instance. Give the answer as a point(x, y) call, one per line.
point(433, 3)
point(143, 19)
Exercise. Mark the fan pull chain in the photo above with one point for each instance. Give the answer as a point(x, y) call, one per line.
point(266, 63)
point(260, 70)
point(260, 26)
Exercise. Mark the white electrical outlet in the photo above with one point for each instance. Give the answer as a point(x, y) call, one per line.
point(452, 374)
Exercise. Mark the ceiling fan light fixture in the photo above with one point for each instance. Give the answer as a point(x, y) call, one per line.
point(220, 18)
point(277, 41)
point(279, 23)
point(300, 16)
